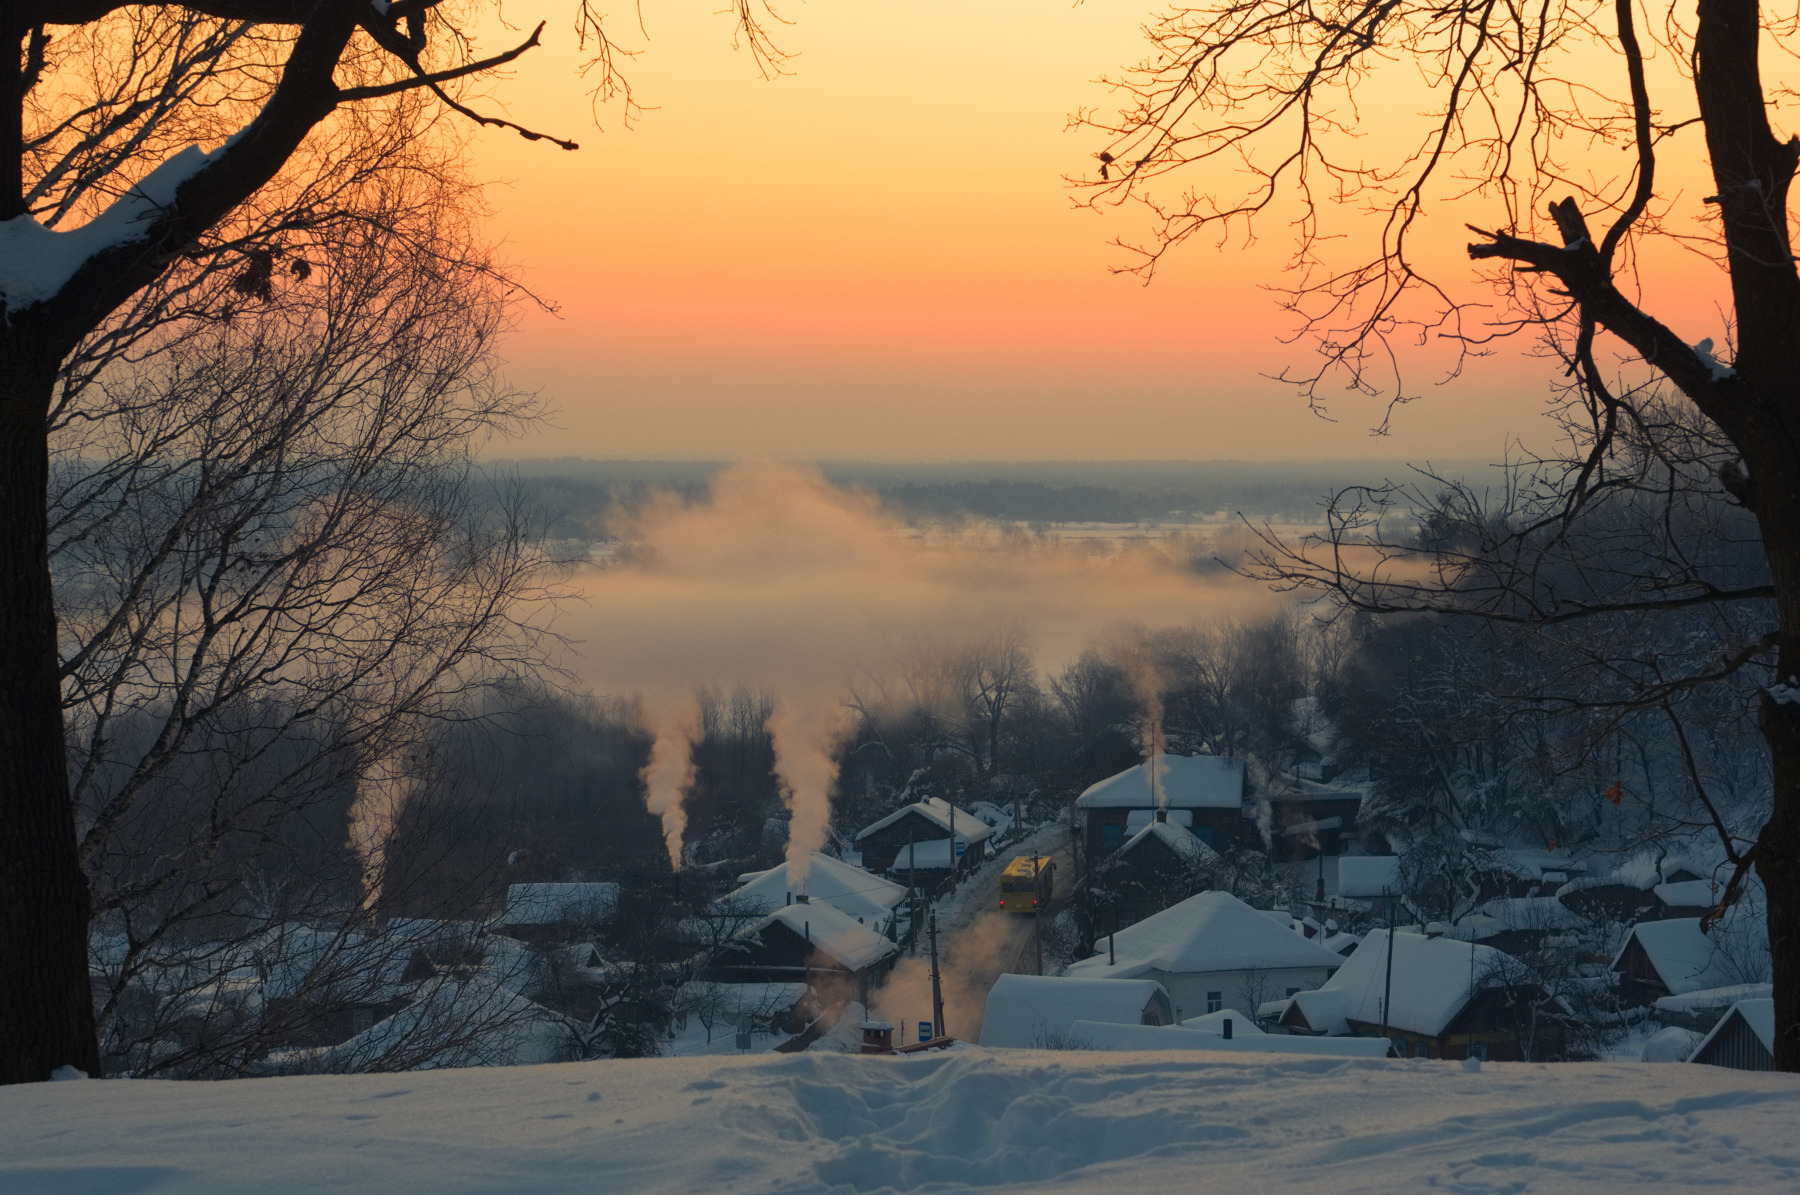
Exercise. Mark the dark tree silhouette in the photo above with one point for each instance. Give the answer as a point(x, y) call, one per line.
point(101, 204)
point(1524, 100)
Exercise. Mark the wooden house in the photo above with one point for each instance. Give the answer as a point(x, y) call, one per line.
point(835, 955)
point(1203, 794)
point(1442, 999)
point(1674, 958)
point(1161, 865)
point(931, 820)
point(1743, 1040)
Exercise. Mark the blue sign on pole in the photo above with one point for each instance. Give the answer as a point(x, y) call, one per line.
point(924, 1030)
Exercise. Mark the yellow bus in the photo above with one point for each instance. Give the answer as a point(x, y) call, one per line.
point(1026, 884)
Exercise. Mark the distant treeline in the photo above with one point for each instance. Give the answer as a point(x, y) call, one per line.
point(579, 498)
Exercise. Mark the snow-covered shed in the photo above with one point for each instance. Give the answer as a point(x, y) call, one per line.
point(931, 820)
point(1703, 1009)
point(868, 898)
point(1205, 792)
point(545, 911)
point(1036, 1011)
point(808, 943)
point(1744, 1039)
point(1673, 958)
point(1212, 951)
point(1449, 999)
point(1322, 1012)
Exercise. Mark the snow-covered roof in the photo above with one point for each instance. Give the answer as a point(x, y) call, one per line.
point(1035, 1011)
point(547, 904)
point(1686, 959)
point(1365, 877)
point(1245, 1039)
point(1433, 979)
point(939, 812)
point(1511, 914)
point(1182, 782)
point(848, 889)
point(1326, 1010)
point(1178, 839)
point(1342, 943)
point(1723, 997)
point(455, 1023)
point(835, 934)
point(1534, 863)
point(1689, 894)
point(1758, 1015)
point(1214, 931)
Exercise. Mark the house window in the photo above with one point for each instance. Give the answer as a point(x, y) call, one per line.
point(1112, 837)
point(1478, 1050)
point(1215, 1001)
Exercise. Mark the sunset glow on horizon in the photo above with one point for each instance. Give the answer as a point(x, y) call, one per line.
point(877, 256)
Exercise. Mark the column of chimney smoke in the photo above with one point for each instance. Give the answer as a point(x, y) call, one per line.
point(782, 581)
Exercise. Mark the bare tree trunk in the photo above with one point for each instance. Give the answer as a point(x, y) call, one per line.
point(43, 894)
point(1778, 846)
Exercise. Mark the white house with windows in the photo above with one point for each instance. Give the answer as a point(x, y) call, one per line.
point(1212, 952)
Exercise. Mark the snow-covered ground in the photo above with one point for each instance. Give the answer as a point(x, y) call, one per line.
point(1018, 1120)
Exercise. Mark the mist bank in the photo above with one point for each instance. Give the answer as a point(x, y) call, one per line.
point(778, 579)
point(581, 498)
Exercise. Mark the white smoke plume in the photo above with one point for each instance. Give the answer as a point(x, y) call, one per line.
point(782, 581)
point(673, 720)
point(382, 789)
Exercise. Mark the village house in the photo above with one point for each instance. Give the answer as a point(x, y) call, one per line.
point(1201, 793)
point(847, 888)
point(1212, 952)
point(1159, 866)
point(1674, 958)
point(1744, 1039)
point(1449, 999)
point(920, 824)
point(1312, 818)
point(546, 913)
point(1035, 1012)
point(835, 955)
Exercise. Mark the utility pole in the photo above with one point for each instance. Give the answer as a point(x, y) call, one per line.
point(937, 989)
point(1037, 914)
point(1387, 995)
point(912, 892)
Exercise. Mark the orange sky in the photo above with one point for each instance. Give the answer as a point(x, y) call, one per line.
point(876, 257)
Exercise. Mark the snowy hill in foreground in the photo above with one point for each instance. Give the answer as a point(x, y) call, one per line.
point(1098, 1123)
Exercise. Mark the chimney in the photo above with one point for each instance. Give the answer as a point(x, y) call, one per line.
point(1162, 815)
point(800, 898)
